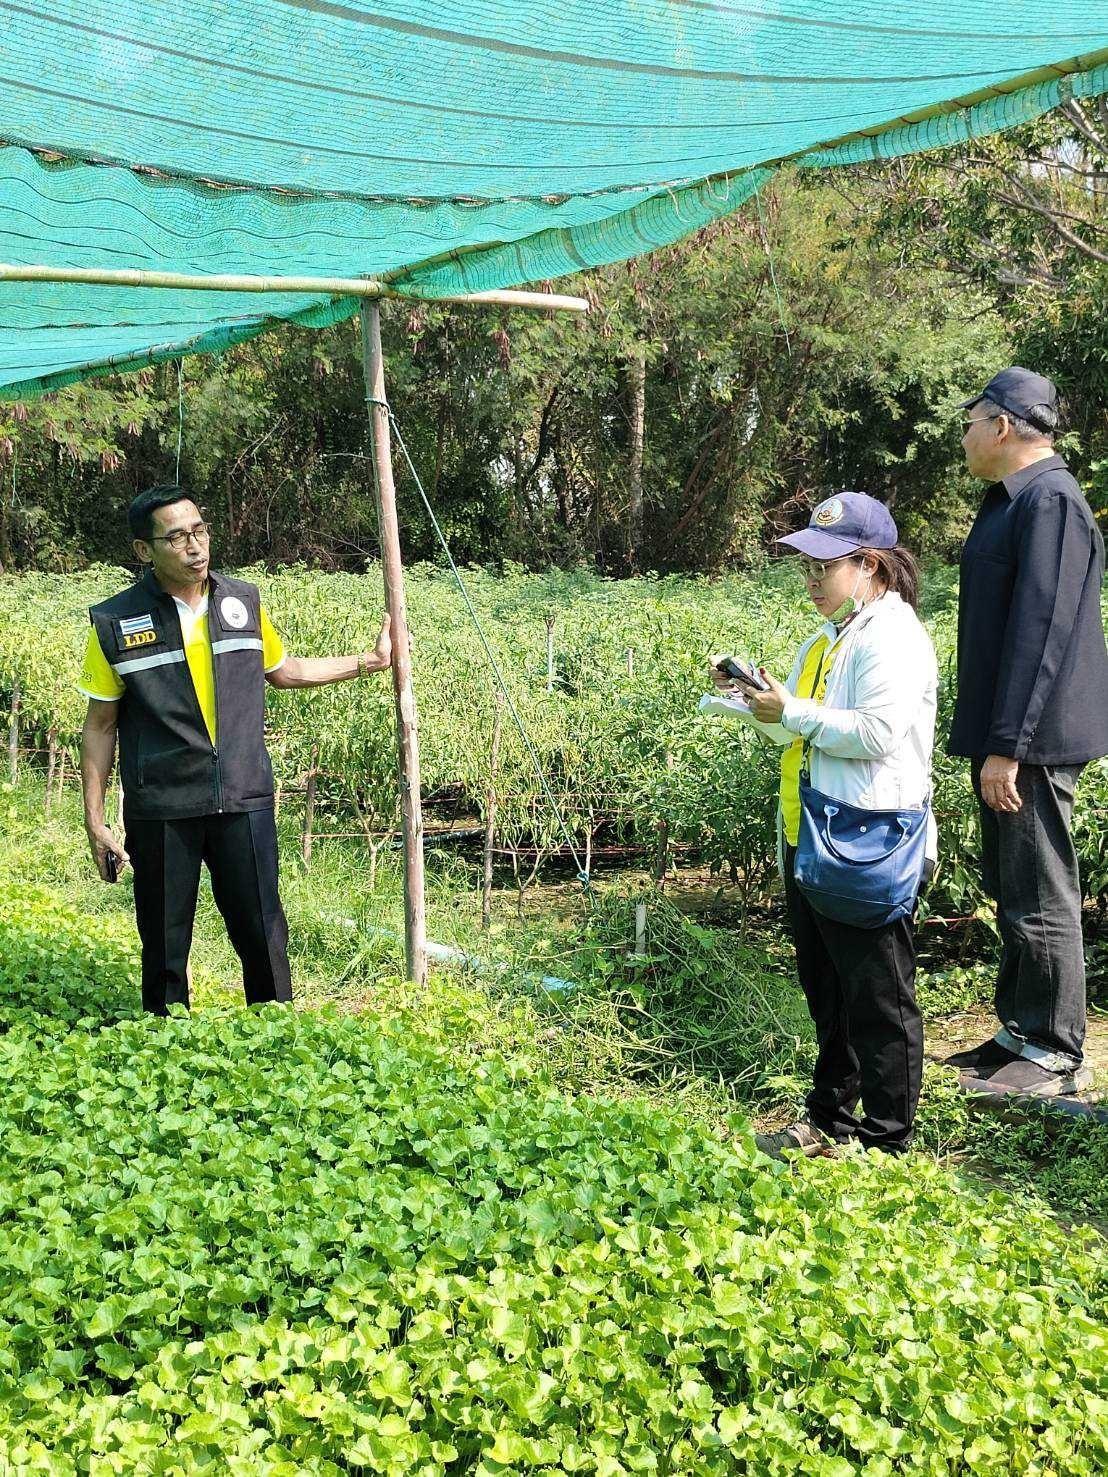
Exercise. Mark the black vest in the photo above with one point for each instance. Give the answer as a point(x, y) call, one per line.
point(168, 765)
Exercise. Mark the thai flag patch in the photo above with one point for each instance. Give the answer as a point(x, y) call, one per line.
point(132, 624)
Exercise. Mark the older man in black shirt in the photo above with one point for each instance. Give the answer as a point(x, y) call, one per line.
point(1031, 711)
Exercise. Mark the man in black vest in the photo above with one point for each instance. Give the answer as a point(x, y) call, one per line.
point(175, 668)
point(1031, 711)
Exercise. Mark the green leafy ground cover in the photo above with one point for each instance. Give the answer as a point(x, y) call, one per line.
point(283, 1242)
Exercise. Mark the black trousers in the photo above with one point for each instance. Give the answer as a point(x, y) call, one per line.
point(860, 988)
point(1029, 866)
point(241, 855)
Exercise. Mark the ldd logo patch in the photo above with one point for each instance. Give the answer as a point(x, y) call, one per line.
point(139, 638)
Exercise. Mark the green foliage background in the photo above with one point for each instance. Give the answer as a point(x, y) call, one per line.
point(624, 752)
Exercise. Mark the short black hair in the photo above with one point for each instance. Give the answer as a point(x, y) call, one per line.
point(140, 515)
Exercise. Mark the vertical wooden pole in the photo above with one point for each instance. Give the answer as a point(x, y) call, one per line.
point(51, 766)
point(637, 385)
point(309, 811)
point(13, 734)
point(490, 814)
point(407, 727)
point(550, 653)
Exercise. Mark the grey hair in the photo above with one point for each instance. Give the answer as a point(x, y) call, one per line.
point(1025, 430)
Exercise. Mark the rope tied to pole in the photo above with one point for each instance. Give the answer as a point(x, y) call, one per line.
point(582, 870)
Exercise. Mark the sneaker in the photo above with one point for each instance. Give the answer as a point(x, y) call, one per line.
point(981, 1061)
point(803, 1138)
point(1024, 1078)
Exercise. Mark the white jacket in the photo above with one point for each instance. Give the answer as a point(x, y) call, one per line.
point(871, 737)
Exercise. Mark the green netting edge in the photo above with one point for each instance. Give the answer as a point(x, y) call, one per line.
point(995, 115)
point(659, 221)
point(320, 315)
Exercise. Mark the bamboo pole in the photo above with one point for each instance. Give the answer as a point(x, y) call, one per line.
point(407, 727)
point(365, 287)
point(51, 765)
point(309, 811)
point(13, 733)
point(490, 815)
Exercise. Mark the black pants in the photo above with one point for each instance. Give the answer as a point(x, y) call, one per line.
point(1029, 866)
point(241, 855)
point(860, 988)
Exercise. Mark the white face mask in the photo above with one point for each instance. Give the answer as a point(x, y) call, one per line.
point(851, 605)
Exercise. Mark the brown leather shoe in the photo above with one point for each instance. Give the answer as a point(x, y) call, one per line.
point(1025, 1078)
point(981, 1061)
point(799, 1138)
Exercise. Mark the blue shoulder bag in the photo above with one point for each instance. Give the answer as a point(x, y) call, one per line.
point(862, 867)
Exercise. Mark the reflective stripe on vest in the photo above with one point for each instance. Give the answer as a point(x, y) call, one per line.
point(236, 643)
point(141, 663)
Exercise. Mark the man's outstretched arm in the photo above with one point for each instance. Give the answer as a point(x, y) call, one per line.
point(319, 671)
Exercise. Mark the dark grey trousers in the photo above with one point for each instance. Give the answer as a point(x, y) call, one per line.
point(1029, 866)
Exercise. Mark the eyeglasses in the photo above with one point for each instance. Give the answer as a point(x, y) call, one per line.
point(815, 569)
point(972, 420)
point(178, 539)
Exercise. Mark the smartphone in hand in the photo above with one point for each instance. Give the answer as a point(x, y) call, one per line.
point(744, 673)
point(111, 866)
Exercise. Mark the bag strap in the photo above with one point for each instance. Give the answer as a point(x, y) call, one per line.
point(807, 743)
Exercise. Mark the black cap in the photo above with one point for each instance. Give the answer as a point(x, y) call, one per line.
point(1019, 391)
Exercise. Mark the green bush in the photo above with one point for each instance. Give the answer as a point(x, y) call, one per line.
point(622, 749)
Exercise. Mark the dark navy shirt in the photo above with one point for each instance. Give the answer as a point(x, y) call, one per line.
point(1032, 664)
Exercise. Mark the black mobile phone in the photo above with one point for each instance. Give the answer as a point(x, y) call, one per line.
point(742, 673)
point(111, 865)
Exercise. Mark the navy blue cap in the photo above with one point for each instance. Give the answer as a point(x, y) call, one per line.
point(843, 523)
point(1018, 391)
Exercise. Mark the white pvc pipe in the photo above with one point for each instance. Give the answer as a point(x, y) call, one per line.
point(447, 954)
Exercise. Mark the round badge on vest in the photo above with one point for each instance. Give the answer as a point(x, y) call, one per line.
point(234, 612)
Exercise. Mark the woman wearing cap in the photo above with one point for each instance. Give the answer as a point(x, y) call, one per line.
point(858, 713)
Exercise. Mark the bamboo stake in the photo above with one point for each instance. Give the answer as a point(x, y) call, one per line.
point(363, 287)
point(550, 653)
point(51, 765)
point(407, 724)
point(490, 815)
point(309, 811)
point(637, 385)
point(13, 734)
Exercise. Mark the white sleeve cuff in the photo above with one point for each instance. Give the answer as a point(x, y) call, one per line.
point(97, 697)
point(277, 665)
point(796, 709)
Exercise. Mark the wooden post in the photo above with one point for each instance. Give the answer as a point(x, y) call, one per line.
point(490, 814)
point(13, 734)
point(309, 813)
point(51, 765)
point(636, 378)
point(407, 727)
point(550, 653)
point(640, 929)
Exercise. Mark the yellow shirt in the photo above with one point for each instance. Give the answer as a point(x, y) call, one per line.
point(99, 679)
point(811, 683)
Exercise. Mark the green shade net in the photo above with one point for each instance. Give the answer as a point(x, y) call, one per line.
point(448, 148)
